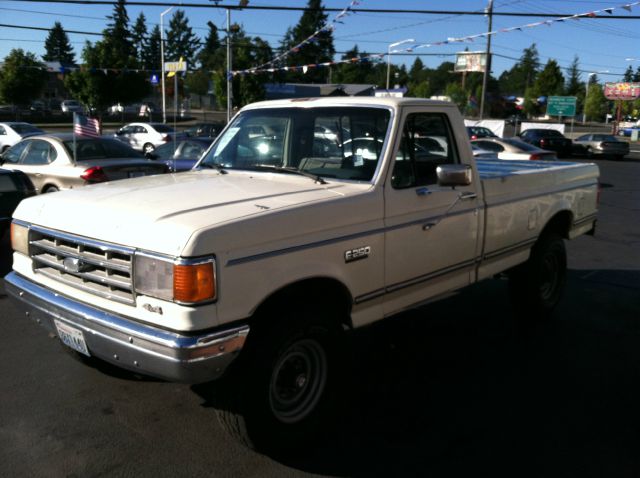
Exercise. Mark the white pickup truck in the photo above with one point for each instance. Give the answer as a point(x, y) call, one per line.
point(305, 219)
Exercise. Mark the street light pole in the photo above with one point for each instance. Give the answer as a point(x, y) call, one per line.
point(409, 40)
point(229, 76)
point(164, 111)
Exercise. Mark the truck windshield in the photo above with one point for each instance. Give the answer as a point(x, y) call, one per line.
point(335, 142)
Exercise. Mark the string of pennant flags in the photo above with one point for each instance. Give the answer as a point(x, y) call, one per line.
point(271, 67)
point(466, 39)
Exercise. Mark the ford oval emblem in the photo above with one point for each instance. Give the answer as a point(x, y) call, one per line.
point(76, 265)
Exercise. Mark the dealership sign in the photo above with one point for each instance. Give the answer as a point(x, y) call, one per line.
point(622, 91)
point(470, 61)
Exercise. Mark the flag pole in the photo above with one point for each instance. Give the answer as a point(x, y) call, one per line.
point(74, 136)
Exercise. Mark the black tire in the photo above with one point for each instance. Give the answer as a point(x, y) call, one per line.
point(282, 391)
point(588, 153)
point(618, 157)
point(51, 189)
point(536, 286)
point(148, 148)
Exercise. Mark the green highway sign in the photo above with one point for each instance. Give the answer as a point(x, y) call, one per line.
point(561, 106)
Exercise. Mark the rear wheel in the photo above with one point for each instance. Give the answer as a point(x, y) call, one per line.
point(50, 189)
point(148, 148)
point(283, 388)
point(537, 285)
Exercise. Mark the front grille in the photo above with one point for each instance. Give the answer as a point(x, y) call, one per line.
point(100, 268)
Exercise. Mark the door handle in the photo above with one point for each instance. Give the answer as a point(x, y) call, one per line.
point(468, 195)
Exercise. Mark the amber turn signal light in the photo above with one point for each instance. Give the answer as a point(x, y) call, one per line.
point(194, 283)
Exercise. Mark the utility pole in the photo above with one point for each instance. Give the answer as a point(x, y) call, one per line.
point(487, 66)
point(229, 76)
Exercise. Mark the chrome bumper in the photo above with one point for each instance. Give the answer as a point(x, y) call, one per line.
point(131, 345)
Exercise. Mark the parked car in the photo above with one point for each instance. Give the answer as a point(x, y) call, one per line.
point(119, 108)
point(12, 132)
point(181, 155)
point(513, 148)
point(71, 106)
point(146, 137)
point(51, 164)
point(601, 144)
point(476, 132)
point(479, 153)
point(14, 187)
point(628, 130)
point(205, 130)
point(549, 139)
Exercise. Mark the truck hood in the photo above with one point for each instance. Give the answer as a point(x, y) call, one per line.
point(160, 213)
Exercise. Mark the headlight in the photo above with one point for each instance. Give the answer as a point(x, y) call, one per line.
point(20, 238)
point(184, 280)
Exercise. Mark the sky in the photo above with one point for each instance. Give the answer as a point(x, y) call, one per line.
point(603, 46)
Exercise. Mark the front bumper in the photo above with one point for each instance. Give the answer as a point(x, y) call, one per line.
point(131, 345)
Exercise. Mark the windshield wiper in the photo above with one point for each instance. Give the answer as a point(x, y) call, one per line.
point(216, 166)
point(288, 169)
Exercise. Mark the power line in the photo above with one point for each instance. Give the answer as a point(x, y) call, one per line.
point(354, 10)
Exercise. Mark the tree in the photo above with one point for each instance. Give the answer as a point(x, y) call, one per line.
point(181, 41)
point(550, 81)
point(139, 37)
point(457, 94)
point(523, 74)
point(358, 72)
point(212, 56)
point(319, 50)
point(151, 59)
point(22, 78)
point(109, 75)
point(628, 74)
point(57, 46)
point(596, 104)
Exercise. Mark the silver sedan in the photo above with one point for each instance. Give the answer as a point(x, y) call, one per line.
point(513, 148)
point(601, 144)
point(55, 162)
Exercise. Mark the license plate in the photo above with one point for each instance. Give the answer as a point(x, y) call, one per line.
point(136, 174)
point(72, 337)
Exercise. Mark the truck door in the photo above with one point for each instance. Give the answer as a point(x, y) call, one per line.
point(431, 231)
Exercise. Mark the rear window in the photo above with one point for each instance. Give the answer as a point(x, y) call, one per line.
point(604, 137)
point(520, 144)
point(551, 132)
point(88, 149)
point(25, 128)
point(162, 128)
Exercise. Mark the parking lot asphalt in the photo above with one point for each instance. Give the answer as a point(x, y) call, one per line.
point(456, 388)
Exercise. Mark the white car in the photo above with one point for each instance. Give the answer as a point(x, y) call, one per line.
point(12, 132)
point(513, 148)
point(146, 137)
point(71, 106)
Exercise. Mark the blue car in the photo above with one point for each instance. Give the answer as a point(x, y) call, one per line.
point(181, 155)
point(628, 131)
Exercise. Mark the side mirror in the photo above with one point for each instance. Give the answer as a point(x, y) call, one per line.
point(454, 175)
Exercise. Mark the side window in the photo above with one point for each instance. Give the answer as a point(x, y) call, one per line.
point(192, 150)
point(427, 142)
point(40, 152)
point(141, 129)
point(12, 155)
point(2, 131)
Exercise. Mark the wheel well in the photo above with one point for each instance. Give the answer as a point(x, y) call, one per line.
point(323, 291)
point(49, 185)
point(559, 224)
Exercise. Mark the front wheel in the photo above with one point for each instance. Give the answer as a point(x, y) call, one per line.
point(537, 285)
point(148, 148)
point(283, 390)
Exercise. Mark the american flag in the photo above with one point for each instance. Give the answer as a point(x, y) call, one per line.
point(84, 126)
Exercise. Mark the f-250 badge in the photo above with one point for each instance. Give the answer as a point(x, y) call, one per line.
point(357, 254)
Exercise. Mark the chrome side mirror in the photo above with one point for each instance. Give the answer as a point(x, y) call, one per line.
point(454, 175)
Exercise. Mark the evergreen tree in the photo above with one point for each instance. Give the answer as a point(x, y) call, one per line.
point(628, 74)
point(109, 77)
point(358, 72)
point(212, 56)
point(319, 50)
point(523, 74)
point(574, 85)
point(181, 41)
point(596, 105)
point(139, 37)
point(22, 78)
point(57, 46)
point(151, 59)
point(550, 81)
point(636, 75)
